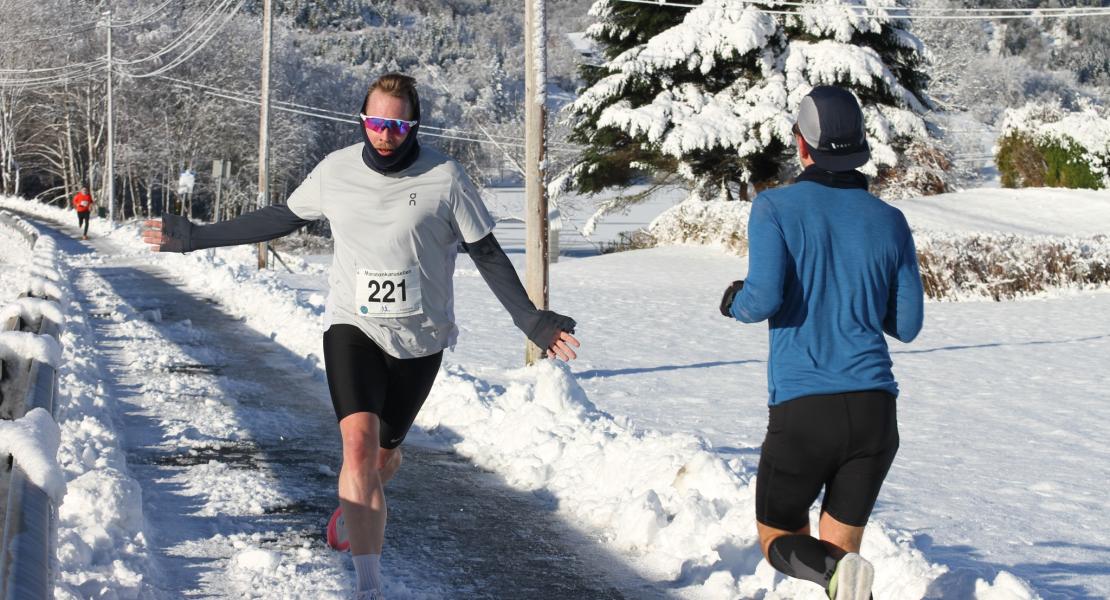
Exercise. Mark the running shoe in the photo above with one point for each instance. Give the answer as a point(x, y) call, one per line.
point(337, 531)
point(852, 578)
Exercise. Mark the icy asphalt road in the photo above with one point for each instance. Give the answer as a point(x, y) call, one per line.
point(234, 443)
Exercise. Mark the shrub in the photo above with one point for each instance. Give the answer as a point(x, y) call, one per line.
point(1067, 166)
point(705, 223)
point(1007, 266)
point(1020, 164)
point(1045, 145)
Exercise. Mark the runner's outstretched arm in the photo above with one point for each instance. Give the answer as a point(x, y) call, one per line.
point(547, 329)
point(178, 234)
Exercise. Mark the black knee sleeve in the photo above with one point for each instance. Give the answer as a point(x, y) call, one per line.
point(802, 557)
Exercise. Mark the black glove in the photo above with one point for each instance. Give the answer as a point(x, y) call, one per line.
point(176, 234)
point(730, 295)
point(545, 327)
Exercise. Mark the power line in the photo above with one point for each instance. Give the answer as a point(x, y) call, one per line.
point(321, 113)
point(87, 27)
point(29, 40)
point(145, 17)
point(346, 116)
point(95, 63)
point(211, 14)
point(201, 26)
point(907, 13)
point(48, 81)
point(188, 54)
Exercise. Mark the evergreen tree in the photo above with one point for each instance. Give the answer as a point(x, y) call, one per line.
point(709, 94)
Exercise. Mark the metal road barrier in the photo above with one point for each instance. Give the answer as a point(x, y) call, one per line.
point(26, 543)
point(19, 225)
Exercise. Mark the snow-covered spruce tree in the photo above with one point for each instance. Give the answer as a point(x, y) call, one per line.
point(709, 94)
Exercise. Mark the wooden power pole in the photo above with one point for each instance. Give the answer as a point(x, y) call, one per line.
point(264, 125)
point(535, 180)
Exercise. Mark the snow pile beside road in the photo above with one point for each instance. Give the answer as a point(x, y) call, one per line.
point(33, 442)
point(101, 545)
point(23, 346)
point(684, 512)
point(15, 260)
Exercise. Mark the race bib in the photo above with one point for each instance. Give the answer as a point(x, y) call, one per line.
point(390, 293)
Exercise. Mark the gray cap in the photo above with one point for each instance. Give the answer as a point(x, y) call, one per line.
point(830, 120)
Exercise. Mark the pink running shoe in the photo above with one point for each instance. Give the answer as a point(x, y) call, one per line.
point(337, 531)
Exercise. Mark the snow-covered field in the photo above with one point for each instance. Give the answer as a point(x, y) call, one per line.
point(650, 440)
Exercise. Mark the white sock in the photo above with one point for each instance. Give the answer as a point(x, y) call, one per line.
point(368, 569)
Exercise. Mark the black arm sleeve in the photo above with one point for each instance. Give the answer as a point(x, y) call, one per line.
point(541, 326)
point(180, 235)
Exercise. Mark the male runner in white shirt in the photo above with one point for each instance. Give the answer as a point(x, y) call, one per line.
point(398, 214)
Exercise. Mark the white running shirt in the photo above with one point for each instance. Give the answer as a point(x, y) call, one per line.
point(396, 238)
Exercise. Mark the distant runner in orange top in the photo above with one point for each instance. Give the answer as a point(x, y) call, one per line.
point(83, 202)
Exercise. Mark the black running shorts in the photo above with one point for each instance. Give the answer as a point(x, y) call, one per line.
point(364, 378)
point(844, 443)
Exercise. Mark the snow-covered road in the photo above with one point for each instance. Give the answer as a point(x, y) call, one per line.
point(232, 444)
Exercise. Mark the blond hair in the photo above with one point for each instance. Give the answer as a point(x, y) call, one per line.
point(398, 86)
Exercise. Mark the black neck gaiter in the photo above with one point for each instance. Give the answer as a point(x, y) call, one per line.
point(401, 159)
point(834, 179)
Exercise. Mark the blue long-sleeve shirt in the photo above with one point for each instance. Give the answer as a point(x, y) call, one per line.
point(833, 269)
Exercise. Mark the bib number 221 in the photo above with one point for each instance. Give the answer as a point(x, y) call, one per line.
point(383, 291)
point(392, 293)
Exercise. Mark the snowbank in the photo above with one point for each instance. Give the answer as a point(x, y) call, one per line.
point(714, 223)
point(101, 547)
point(32, 310)
point(22, 346)
point(33, 442)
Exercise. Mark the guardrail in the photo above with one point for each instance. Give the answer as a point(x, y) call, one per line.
point(26, 553)
point(25, 229)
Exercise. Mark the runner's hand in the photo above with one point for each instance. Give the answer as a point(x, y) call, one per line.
point(561, 347)
point(730, 296)
point(152, 234)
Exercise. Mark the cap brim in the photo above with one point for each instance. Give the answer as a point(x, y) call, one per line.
point(840, 162)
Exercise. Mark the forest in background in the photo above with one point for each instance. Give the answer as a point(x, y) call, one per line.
point(185, 74)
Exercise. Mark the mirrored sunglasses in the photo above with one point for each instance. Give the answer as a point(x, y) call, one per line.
point(380, 124)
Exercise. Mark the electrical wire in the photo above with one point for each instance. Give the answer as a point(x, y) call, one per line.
point(143, 18)
point(95, 63)
point(321, 113)
point(210, 14)
point(908, 13)
point(454, 133)
point(68, 33)
point(43, 82)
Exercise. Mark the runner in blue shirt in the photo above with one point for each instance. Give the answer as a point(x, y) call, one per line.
point(832, 268)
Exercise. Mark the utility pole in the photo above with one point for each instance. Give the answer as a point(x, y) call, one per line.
point(535, 180)
point(264, 126)
point(111, 133)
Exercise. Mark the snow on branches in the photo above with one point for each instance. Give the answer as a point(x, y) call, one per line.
point(713, 94)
